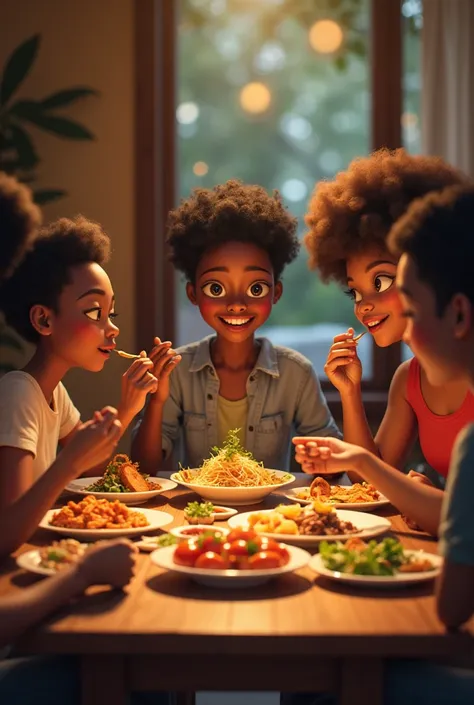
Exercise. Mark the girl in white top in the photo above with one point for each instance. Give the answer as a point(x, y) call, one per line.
point(61, 299)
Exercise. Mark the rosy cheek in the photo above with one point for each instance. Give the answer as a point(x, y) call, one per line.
point(264, 306)
point(391, 300)
point(83, 330)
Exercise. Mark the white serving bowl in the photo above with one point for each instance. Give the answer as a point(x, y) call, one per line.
point(236, 496)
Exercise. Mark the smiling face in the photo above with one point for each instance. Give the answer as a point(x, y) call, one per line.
point(377, 305)
point(81, 332)
point(440, 342)
point(235, 289)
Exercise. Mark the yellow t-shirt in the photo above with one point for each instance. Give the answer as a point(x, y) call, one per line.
point(230, 415)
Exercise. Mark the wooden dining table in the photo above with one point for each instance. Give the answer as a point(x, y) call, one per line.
point(299, 632)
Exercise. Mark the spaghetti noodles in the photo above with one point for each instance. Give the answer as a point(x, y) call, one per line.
point(231, 466)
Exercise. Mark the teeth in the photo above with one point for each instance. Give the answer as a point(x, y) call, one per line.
point(236, 321)
point(374, 323)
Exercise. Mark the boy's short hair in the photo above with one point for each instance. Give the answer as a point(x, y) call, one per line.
point(437, 232)
point(231, 212)
point(20, 219)
point(45, 270)
point(355, 211)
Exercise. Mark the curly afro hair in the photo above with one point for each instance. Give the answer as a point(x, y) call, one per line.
point(231, 212)
point(355, 211)
point(45, 270)
point(20, 219)
point(422, 233)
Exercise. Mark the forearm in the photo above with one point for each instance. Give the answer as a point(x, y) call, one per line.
point(356, 427)
point(20, 519)
point(420, 502)
point(146, 447)
point(20, 611)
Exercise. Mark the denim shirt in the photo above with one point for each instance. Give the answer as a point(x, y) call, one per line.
point(284, 399)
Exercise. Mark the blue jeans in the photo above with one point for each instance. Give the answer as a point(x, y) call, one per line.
point(409, 683)
point(52, 680)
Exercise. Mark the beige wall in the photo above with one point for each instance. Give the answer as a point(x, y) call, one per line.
point(87, 42)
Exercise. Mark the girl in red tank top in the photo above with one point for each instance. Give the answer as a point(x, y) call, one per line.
point(349, 220)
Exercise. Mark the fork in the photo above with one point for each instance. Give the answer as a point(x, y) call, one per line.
point(358, 337)
point(127, 355)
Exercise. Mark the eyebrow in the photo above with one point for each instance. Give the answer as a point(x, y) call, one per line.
point(97, 292)
point(250, 268)
point(376, 263)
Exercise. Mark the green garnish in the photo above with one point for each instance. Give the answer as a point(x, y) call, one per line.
point(110, 481)
point(166, 540)
point(199, 509)
point(382, 558)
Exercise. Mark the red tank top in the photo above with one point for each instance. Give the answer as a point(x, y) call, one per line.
point(437, 433)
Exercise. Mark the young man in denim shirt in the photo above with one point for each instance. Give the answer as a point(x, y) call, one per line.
point(232, 243)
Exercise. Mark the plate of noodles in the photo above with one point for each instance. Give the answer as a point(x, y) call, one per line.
point(232, 476)
point(359, 496)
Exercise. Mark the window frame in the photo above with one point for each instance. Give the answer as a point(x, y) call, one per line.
point(155, 162)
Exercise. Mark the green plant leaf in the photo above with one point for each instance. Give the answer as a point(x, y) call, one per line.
point(19, 142)
point(43, 196)
point(17, 67)
point(66, 97)
point(59, 126)
point(7, 340)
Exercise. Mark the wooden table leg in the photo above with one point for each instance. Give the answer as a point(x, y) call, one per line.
point(362, 681)
point(103, 680)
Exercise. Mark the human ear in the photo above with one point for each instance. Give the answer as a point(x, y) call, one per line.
point(462, 309)
point(277, 292)
point(191, 293)
point(40, 319)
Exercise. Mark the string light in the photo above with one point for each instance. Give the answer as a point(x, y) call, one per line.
point(255, 98)
point(325, 36)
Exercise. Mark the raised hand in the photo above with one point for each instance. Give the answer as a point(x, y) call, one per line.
point(322, 455)
point(165, 360)
point(94, 441)
point(109, 563)
point(343, 366)
point(137, 382)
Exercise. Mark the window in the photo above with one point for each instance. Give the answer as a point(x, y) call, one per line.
point(268, 93)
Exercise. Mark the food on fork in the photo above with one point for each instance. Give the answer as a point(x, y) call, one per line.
point(93, 513)
point(61, 553)
point(231, 466)
point(386, 558)
point(126, 355)
point(240, 550)
point(121, 475)
point(317, 520)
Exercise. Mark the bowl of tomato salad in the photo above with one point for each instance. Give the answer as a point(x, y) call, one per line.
point(243, 558)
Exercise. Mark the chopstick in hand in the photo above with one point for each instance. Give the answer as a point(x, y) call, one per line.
point(358, 337)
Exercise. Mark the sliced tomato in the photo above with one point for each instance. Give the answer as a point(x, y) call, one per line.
point(241, 534)
point(284, 554)
point(211, 541)
point(211, 561)
point(264, 560)
point(186, 553)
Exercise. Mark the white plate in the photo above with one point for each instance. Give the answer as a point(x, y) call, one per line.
point(180, 531)
point(155, 519)
point(223, 516)
point(31, 561)
point(79, 487)
point(148, 543)
point(387, 581)
point(368, 524)
point(235, 496)
point(357, 506)
point(163, 557)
